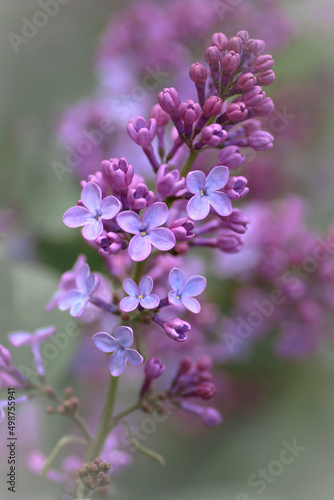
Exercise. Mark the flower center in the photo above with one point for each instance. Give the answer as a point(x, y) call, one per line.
point(178, 297)
point(201, 192)
point(143, 233)
point(140, 296)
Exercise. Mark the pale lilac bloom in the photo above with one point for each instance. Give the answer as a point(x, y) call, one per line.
point(67, 282)
point(77, 299)
point(4, 404)
point(140, 294)
point(94, 211)
point(182, 292)
point(147, 231)
point(119, 346)
point(33, 340)
point(207, 194)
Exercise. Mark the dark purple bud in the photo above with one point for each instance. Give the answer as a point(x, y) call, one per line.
point(237, 221)
point(206, 390)
point(182, 229)
point(141, 132)
point(266, 78)
point(169, 100)
point(213, 135)
point(236, 187)
point(212, 55)
point(212, 106)
point(261, 140)
point(230, 243)
point(230, 62)
point(264, 63)
point(265, 107)
point(230, 157)
point(244, 35)
point(160, 115)
point(154, 368)
point(110, 243)
point(204, 363)
point(254, 46)
point(198, 73)
point(237, 111)
point(246, 81)
point(235, 43)
point(189, 112)
point(168, 183)
point(140, 197)
point(117, 172)
point(253, 96)
point(219, 40)
point(177, 329)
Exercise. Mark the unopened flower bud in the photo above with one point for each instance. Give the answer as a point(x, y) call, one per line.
point(235, 43)
point(264, 63)
point(230, 62)
point(266, 78)
point(230, 157)
point(219, 40)
point(141, 132)
point(246, 81)
point(169, 100)
point(198, 73)
point(237, 111)
point(254, 46)
point(261, 140)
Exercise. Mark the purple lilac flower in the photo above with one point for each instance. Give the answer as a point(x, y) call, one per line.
point(177, 329)
point(4, 404)
point(33, 340)
point(94, 211)
point(182, 292)
point(77, 299)
point(119, 346)
point(140, 294)
point(141, 132)
point(206, 193)
point(209, 416)
point(147, 231)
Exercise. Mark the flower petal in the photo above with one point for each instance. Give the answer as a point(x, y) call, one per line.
point(105, 342)
point(150, 301)
point(124, 335)
point(91, 197)
point(139, 248)
point(145, 285)
point(78, 308)
point(134, 357)
point(130, 287)
point(117, 362)
point(129, 304)
point(110, 207)
point(162, 238)
point(198, 207)
point(220, 202)
point(196, 181)
point(20, 338)
point(177, 279)
point(76, 217)
point(69, 298)
point(92, 230)
point(155, 215)
point(44, 333)
point(173, 298)
point(192, 304)
point(82, 277)
point(92, 284)
point(194, 286)
point(129, 221)
point(217, 178)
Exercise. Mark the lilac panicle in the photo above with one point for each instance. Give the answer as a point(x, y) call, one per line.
point(207, 194)
point(140, 294)
point(183, 292)
point(94, 211)
point(147, 231)
point(77, 298)
point(119, 345)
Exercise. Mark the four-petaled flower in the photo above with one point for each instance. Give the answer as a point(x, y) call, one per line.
point(147, 231)
point(94, 211)
point(119, 346)
point(18, 339)
point(140, 294)
point(183, 292)
point(77, 299)
point(206, 193)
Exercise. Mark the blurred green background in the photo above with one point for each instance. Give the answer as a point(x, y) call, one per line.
point(53, 71)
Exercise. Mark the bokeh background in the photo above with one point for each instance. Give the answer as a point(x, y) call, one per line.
point(54, 70)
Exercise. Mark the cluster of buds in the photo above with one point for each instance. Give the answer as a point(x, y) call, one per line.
point(95, 474)
point(68, 407)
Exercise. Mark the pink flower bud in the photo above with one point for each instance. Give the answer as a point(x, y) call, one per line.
point(141, 132)
point(198, 73)
point(244, 35)
point(140, 197)
point(230, 62)
point(264, 63)
point(266, 78)
point(254, 46)
point(160, 115)
point(212, 55)
point(206, 390)
point(212, 106)
point(237, 111)
point(265, 107)
point(213, 135)
point(219, 40)
point(169, 99)
point(253, 96)
point(235, 43)
point(230, 157)
point(230, 243)
point(246, 81)
point(211, 417)
point(261, 140)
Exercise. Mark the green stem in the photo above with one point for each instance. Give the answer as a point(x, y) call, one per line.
point(189, 163)
point(125, 412)
point(61, 443)
point(104, 428)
